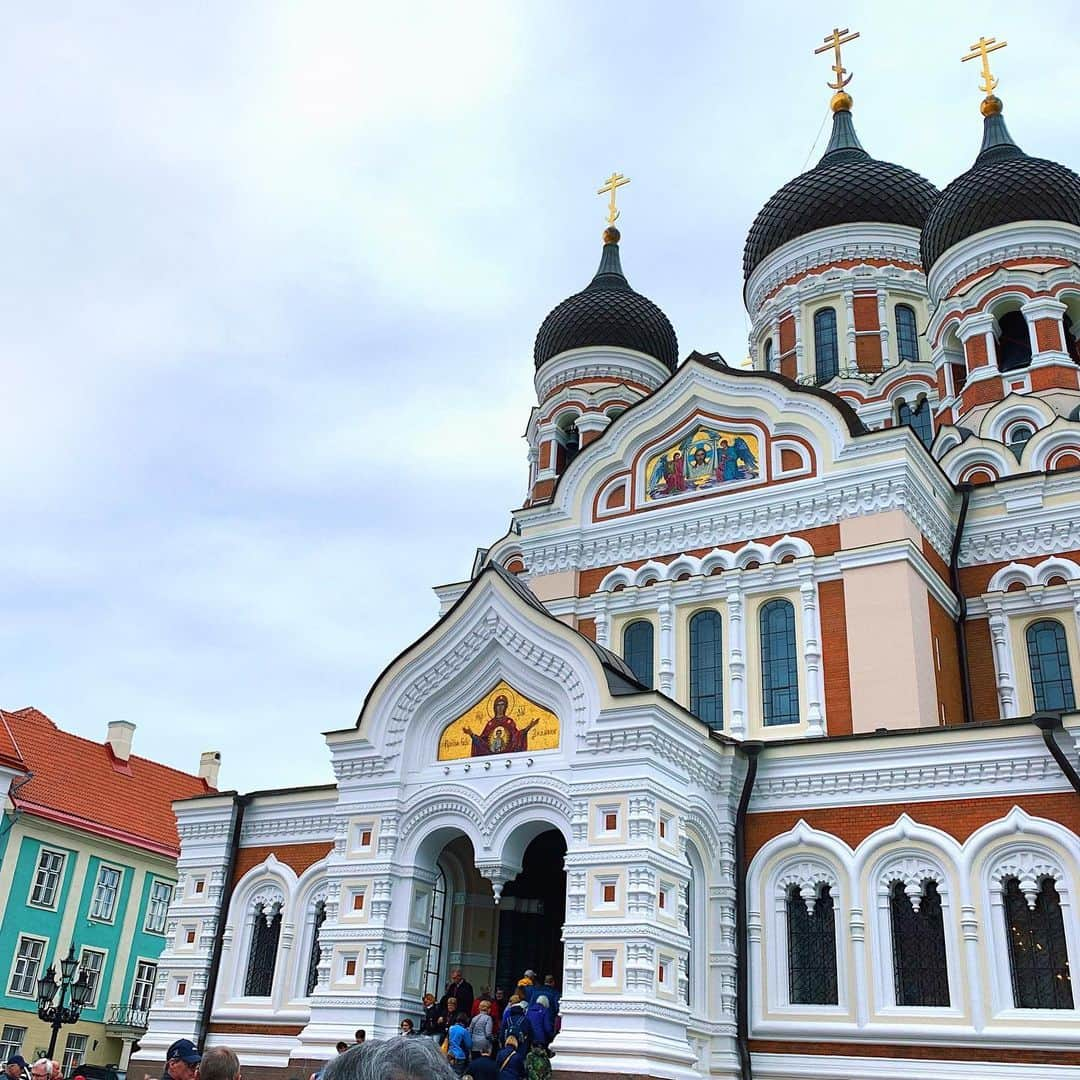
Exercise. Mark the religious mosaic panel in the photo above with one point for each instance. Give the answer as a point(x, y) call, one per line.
point(502, 722)
point(706, 459)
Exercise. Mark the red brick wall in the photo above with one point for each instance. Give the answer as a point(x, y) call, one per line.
point(981, 393)
point(984, 701)
point(1048, 335)
point(946, 663)
point(1056, 376)
point(975, 349)
point(587, 627)
point(867, 346)
point(297, 856)
point(834, 657)
point(958, 817)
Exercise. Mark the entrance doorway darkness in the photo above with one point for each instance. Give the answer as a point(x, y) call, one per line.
point(531, 914)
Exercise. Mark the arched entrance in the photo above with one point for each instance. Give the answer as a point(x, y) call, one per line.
point(493, 944)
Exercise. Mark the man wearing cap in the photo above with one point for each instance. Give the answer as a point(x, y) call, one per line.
point(15, 1068)
point(182, 1061)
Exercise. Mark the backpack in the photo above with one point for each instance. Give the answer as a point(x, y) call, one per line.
point(513, 1023)
point(538, 1064)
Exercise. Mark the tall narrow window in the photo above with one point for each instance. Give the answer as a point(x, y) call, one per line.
point(1048, 658)
point(1038, 955)
point(768, 354)
point(263, 956)
point(907, 336)
point(811, 948)
point(638, 650)
point(826, 348)
point(142, 991)
point(74, 1053)
point(160, 898)
point(707, 669)
point(316, 948)
point(688, 925)
point(11, 1041)
point(433, 983)
point(779, 666)
point(1014, 342)
point(91, 962)
point(24, 974)
point(105, 892)
point(918, 940)
point(918, 419)
point(50, 869)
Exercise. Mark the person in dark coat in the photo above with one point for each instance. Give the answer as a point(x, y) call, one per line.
point(539, 1022)
point(461, 990)
point(510, 1060)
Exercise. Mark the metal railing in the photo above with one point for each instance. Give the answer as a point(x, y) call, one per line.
point(127, 1016)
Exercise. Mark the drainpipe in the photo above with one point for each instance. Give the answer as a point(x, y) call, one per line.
point(961, 618)
point(1050, 725)
point(240, 803)
point(750, 751)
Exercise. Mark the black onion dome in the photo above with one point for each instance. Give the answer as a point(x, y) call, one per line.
point(847, 185)
point(608, 312)
point(1003, 185)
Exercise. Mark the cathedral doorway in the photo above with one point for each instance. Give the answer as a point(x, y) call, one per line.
point(494, 944)
point(532, 913)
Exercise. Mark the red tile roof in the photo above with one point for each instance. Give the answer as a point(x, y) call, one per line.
point(81, 783)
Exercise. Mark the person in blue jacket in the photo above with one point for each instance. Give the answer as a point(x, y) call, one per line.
point(539, 1022)
point(459, 1044)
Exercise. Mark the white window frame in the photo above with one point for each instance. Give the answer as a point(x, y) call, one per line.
point(59, 886)
point(150, 924)
point(914, 867)
point(141, 962)
point(95, 913)
point(32, 993)
point(10, 1045)
point(1031, 862)
point(71, 1052)
point(808, 873)
point(104, 954)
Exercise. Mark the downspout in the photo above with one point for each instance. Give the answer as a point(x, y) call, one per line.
point(1050, 725)
point(750, 751)
point(961, 617)
point(240, 803)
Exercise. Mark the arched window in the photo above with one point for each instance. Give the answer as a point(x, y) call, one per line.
point(768, 354)
point(918, 419)
point(918, 941)
point(1019, 435)
point(811, 936)
point(1048, 659)
point(907, 336)
point(826, 348)
point(638, 650)
point(433, 982)
point(707, 669)
point(262, 957)
point(316, 952)
point(1038, 956)
point(779, 665)
point(1014, 343)
point(1072, 346)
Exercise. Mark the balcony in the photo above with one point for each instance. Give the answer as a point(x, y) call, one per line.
point(125, 1022)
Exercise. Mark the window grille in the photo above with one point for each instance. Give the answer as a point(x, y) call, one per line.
point(142, 989)
point(918, 940)
point(47, 878)
point(1048, 659)
point(263, 955)
point(707, 669)
point(108, 885)
point(907, 336)
point(779, 663)
point(1038, 955)
point(811, 948)
point(316, 953)
point(638, 650)
point(24, 976)
point(432, 982)
point(826, 347)
point(161, 893)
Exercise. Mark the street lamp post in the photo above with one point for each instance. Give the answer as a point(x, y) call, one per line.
point(60, 1014)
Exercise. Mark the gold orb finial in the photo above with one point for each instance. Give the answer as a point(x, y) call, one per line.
point(841, 100)
point(991, 105)
point(612, 235)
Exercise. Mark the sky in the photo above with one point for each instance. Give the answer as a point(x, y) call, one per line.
point(271, 275)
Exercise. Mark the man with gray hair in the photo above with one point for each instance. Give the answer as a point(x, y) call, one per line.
point(219, 1063)
point(400, 1058)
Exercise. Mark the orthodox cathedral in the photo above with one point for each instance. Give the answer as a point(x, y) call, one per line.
point(758, 729)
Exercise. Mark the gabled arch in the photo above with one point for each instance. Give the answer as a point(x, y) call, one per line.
point(998, 417)
point(1040, 574)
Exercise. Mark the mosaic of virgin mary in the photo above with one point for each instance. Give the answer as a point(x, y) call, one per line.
point(504, 721)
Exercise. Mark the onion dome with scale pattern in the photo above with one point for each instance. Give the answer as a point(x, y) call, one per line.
point(1003, 186)
point(846, 186)
point(608, 312)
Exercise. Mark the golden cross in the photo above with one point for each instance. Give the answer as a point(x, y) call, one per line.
point(834, 41)
point(612, 183)
point(984, 47)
